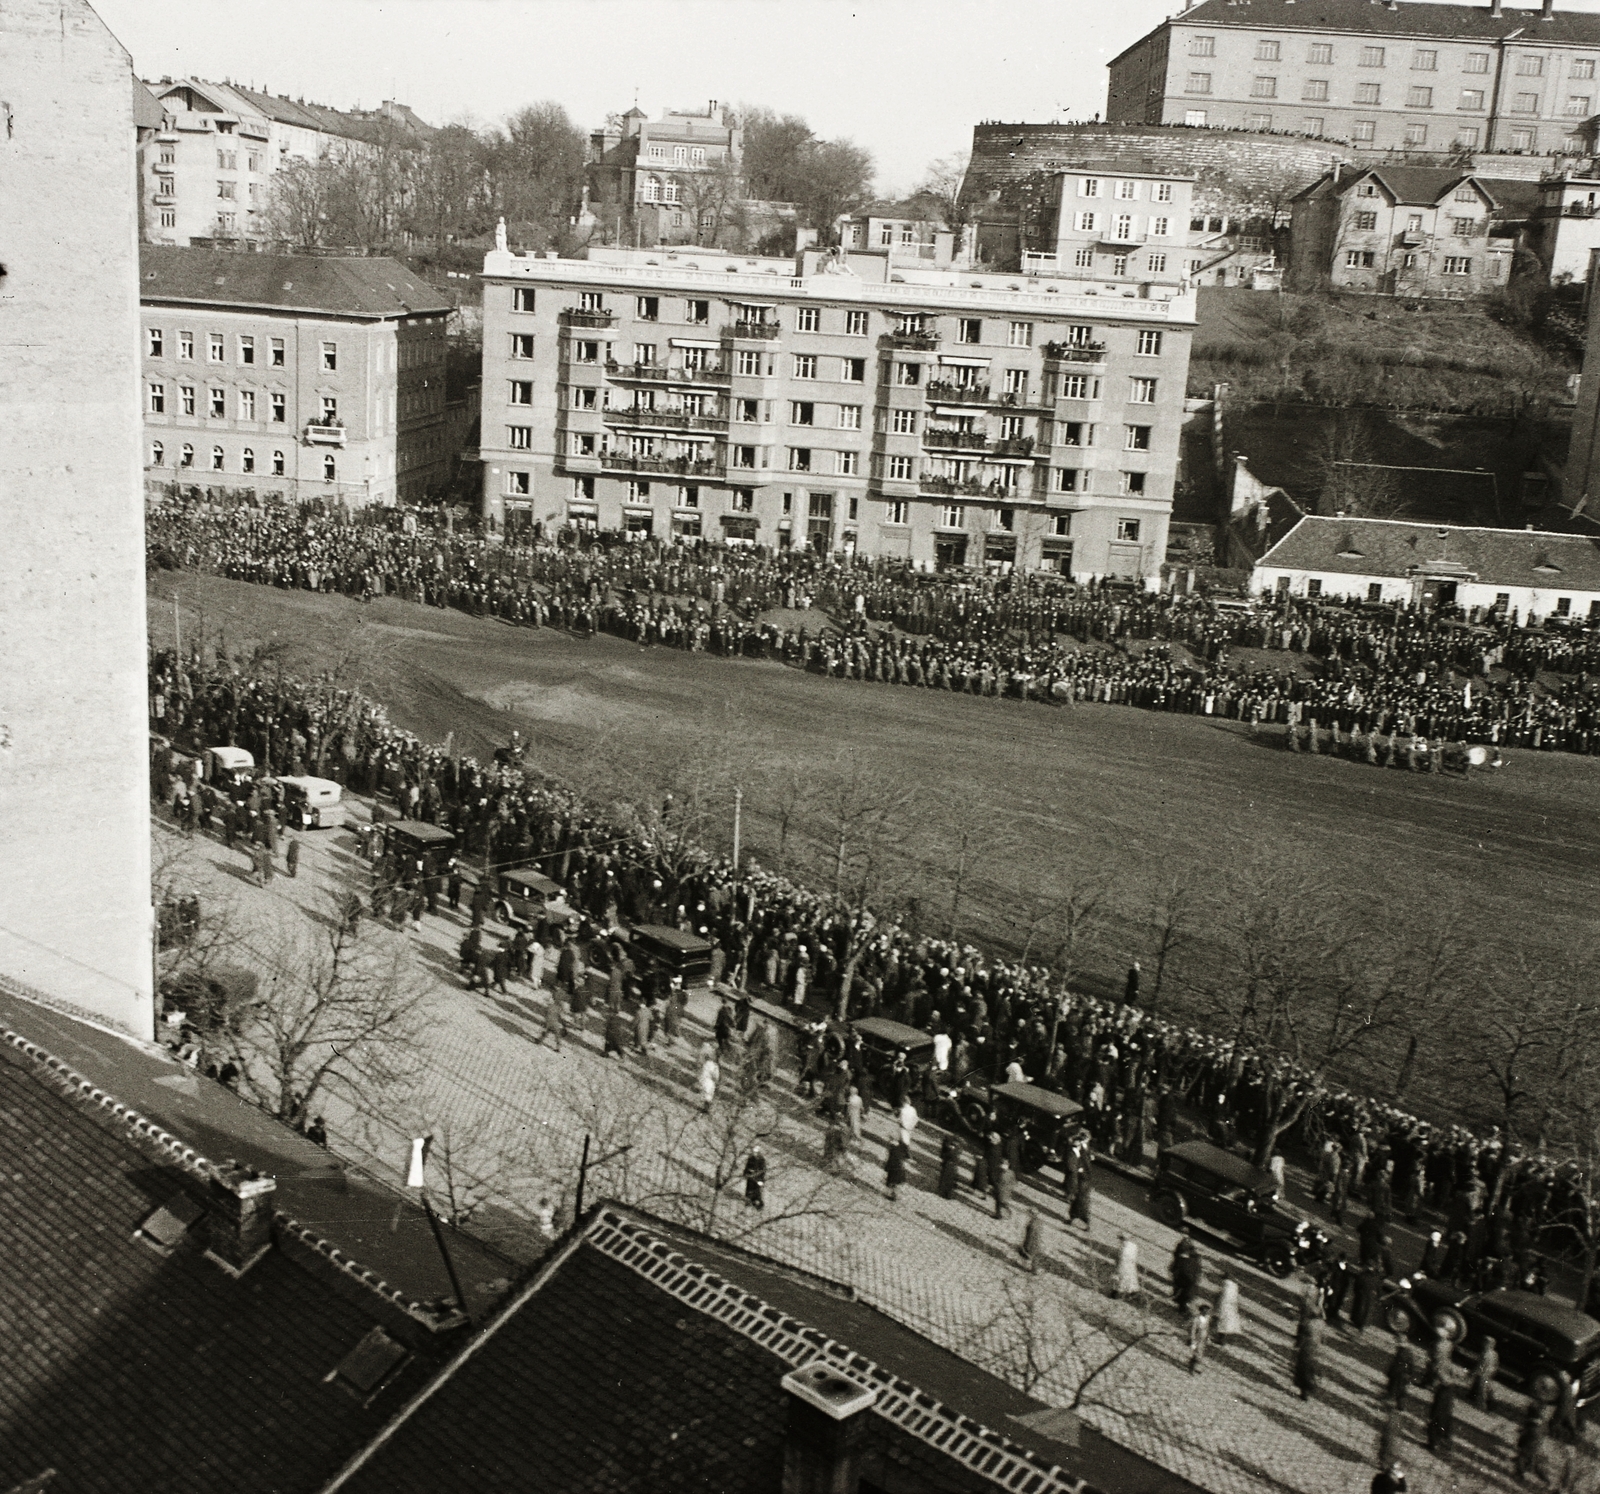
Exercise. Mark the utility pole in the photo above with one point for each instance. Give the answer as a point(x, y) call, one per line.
point(177, 628)
point(416, 1178)
point(583, 1171)
point(738, 808)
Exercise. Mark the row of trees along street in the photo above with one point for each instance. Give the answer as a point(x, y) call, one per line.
point(455, 183)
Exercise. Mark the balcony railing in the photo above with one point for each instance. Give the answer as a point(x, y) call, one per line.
point(574, 316)
point(918, 342)
point(331, 434)
point(666, 419)
point(752, 329)
point(973, 487)
point(1076, 352)
point(1017, 446)
point(659, 371)
point(1118, 240)
point(627, 461)
point(958, 394)
point(961, 440)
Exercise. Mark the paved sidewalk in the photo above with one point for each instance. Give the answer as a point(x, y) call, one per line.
point(516, 1112)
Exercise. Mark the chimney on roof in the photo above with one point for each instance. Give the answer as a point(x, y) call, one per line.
point(1495, 8)
point(826, 1438)
point(239, 1213)
point(1547, 10)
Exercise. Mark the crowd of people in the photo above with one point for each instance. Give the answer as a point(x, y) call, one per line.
point(1375, 673)
point(1128, 1068)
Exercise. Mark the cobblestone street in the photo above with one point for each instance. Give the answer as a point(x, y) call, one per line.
point(514, 1114)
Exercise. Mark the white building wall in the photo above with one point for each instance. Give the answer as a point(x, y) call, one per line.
point(75, 917)
point(1527, 602)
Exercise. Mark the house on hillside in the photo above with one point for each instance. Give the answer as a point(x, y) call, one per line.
point(1563, 229)
point(914, 230)
point(1407, 231)
point(1526, 574)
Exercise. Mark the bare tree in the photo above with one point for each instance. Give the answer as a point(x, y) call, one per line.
point(1080, 908)
point(1035, 1341)
point(1174, 909)
point(942, 182)
point(1350, 479)
point(710, 198)
point(339, 1011)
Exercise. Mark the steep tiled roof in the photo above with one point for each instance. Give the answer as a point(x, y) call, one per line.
point(1426, 185)
point(341, 286)
point(628, 1366)
point(126, 1369)
point(1388, 547)
point(1407, 18)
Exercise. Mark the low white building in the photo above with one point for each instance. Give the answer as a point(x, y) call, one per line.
point(1525, 572)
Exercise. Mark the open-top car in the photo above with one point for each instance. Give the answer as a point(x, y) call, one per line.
point(1536, 1337)
point(1227, 1196)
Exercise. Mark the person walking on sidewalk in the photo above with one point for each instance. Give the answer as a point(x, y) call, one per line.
point(1199, 1335)
point(1308, 1357)
point(1228, 1326)
point(853, 1110)
point(1483, 1376)
point(755, 1178)
point(949, 1165)
point(555, 1022)
point(894, 1168)
point(1032, 1246)
point(1004, 1182)
point(291, 856)
point(1126, 1287)
point(710, 1075)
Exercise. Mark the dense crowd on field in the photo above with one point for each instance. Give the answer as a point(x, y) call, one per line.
point(1380, 678)
point(790, 944)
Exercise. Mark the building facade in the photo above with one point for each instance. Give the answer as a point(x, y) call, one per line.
point(1114, 222)
point(657, 181)
point(1520, 573)
point(946, 419)
point(75, 914)
point(1563, 231)
point(207, 173)
point(1407, 231)
point(1400, 75)
point(292, 376)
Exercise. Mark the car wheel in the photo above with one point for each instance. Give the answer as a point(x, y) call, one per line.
point(1544, 1386)
point(1279, 1260)
point(502, 911)
point(1170, 1210)
point(1397, 1318)
point(1448, 1321)
point(973, 1116)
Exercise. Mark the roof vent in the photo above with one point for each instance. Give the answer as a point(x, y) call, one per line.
point(169, 1224)
point(368, 1367)
point(1349, 550)
point(1547, 566)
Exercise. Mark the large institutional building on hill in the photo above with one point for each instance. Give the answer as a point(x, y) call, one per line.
point(940, 416)
point(292, 376)
point(1401, 75)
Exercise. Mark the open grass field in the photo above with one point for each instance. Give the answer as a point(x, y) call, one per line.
point(1043, 794)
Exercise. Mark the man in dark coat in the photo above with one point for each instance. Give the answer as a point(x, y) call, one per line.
point(291, 856)
point(949, 1166)
point(1187, 1270)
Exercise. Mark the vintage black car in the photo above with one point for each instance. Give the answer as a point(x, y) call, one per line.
point(414, 841)
point(657, 946)
point(1045, 1120)
point(1535, 1337)
point(1230, 1198)
point(881, 1040)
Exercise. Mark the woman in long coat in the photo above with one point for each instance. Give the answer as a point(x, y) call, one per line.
point(1308, 1357)
point(895, 1168)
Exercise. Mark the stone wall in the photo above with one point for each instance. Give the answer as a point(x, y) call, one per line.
point(1239, 172)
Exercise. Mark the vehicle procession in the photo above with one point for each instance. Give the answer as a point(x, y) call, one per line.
point(1485, 1311)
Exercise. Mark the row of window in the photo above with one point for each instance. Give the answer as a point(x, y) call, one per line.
point(697, 313)
point(1452, 264)
point(216, 408)
point(1014, 381)
point(227, 160)
point(1471, 100)
point(1461, 228)
point(1502, 599)
point(890, 422)
point(185, 454)
point(245, 349)
point(682, 155)
point(1124, 189)
point(821, 507)
point(1120, 225)
point(1423, 59)
point(1467, 137)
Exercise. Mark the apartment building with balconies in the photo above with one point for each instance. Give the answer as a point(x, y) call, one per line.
point(1398, 75)
point(941, 417)
point(1407, 231)
point(207, 173)
point(292, 376)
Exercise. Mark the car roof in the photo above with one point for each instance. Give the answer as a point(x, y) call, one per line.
point(421, 830)
point(1226, 1165)
point(532, 877)
point(1547, 1313)
point(675, 938)
point(897, 1033)
point(309, 784)
point(233, 757)
point(1039, 1099)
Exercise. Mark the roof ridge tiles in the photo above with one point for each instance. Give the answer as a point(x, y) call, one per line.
point(907, 1406)
point(139, 1128)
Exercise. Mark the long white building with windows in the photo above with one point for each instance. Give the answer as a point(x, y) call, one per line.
point(940, 416)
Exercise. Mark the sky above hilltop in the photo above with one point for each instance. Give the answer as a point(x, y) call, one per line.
point(906, 78)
